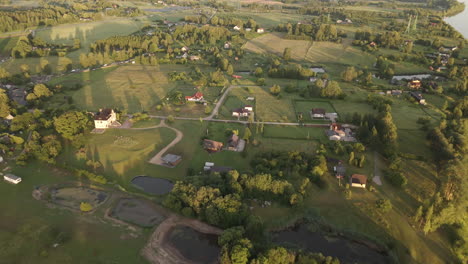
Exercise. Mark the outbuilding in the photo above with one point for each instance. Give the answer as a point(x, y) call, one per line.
point(12, 178)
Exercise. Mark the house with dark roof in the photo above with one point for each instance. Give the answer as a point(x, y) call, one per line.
point(171, 160)
point(418, 97)
point(212, 146)
point(358, 180)
point(104, 118)
point(340, 170)
point(318, 113)
point(242, 112)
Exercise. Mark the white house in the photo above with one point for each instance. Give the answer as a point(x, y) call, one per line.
point(260, 30)
point(12, 178)
point(104, 118)
point(197, 97)
point(318, 113)
point(242, 112)
point(237, 28)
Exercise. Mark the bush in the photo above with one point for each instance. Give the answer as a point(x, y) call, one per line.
point(384, 205)
point(396, 178)
point(85, 207)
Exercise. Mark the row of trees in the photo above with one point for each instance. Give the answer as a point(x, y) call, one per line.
point(319, 32)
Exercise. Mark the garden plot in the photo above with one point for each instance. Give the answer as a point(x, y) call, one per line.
point(137, 212)
point(72, 197)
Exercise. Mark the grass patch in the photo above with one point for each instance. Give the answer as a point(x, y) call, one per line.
point(134, 88)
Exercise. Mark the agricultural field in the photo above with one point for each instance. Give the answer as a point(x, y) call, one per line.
point(274, 43)
point(133, 88)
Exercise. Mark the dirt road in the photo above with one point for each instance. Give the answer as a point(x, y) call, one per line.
point(157, 159)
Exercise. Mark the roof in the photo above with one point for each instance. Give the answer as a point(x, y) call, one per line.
point(233, 139)
point(103, 114)
point(359, 178)
point(13, 177)
point(211, 144)
point(319, 111)
point(171, 158)
point(240, 110)
point(197, 95)
point(416, 95)
point(340, 169)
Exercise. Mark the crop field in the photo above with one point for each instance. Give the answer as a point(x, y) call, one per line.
point(135, 88)
point(316, 52)
point(268, 20)
point(274, 43)
point(89, 32)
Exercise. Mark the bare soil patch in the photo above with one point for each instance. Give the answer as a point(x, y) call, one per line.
point(72, 197)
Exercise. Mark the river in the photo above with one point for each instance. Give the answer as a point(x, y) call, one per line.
point(460, 21)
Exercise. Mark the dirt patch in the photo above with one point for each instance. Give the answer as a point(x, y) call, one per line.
point(138, 212)
point(72, 197)
point(159, 251)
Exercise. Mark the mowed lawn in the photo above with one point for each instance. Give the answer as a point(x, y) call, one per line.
point(123, 153)
point(134, 88)
point(267, 107)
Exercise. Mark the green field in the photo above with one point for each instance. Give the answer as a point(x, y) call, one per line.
point(134, 88)
point(123, 154)
point(267, 106)
point(86, 240)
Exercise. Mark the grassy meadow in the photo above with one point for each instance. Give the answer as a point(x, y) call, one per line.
point(86, 240)
point(135, 88)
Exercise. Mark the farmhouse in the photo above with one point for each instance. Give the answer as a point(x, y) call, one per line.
point(12, 178)
point(358, 180)
point(418, 97)
point(104, 118)
point(250, 98)
point(212, 146)
point(171, 160)
point(237, 28)
point(260, 30)
point(184, 49)
point(336, 132)
point(227, 45)
point(194, 58)
point(318, 113)
point(414, 84)
point(235, 143)
point(197, 97)
point(242, 112)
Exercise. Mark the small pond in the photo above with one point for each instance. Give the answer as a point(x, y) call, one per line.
point(153, 185)
point(195, 246)
point(345, 250)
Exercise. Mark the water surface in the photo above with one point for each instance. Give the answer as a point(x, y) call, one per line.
point(460, 21)
point(345, 250)
point(152, 185)
point(195, 246)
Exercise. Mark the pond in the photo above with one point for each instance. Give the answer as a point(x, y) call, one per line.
point(136, 211)
point(195, 246)
point(152, 185)
point(345, 250)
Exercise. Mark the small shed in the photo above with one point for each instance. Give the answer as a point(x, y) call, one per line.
point(171, 160)
point(12, 178)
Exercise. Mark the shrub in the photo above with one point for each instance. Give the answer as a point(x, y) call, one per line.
point(384, 205)
point(85, 207)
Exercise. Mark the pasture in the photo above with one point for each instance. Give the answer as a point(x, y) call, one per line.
point(134, 88)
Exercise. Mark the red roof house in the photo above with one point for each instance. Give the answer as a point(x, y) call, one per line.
point(197, 97)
